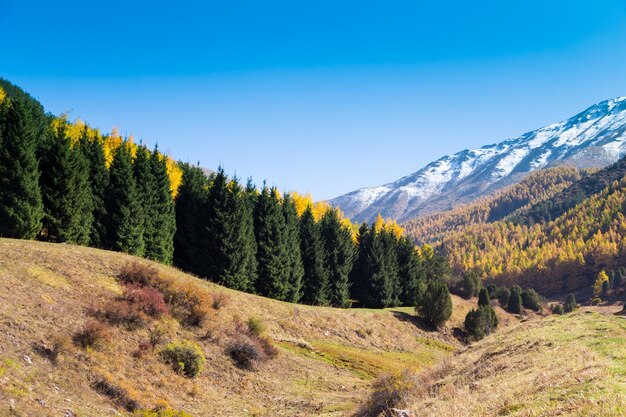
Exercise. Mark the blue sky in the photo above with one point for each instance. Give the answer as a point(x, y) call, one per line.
point(320, 96)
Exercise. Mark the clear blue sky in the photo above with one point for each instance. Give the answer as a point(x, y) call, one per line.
point(320, 96)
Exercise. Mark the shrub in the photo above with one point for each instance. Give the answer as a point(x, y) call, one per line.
point(570, 304)
point(503, 297)
point(188, 302)
point(244, 352)
point(220, 300)
point(483, 297)
point(186, 358)
point(558, 309)
point(147, 299)
point(595, 301)
point(256, 327)
point(138, 273)
point(515, 301)
point(121, 394)
point(494, 291)
point(94, 335)
point(389, 391)
point(436, 305)
point(53, 349)
point(531, 300)
point(481, 322)
point(168, 412)
point(120, 312)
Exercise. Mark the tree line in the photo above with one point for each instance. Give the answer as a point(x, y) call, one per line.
point(64, 182)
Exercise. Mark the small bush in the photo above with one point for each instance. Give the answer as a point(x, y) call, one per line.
point(161, 412)
point(256, 327)
point(94, 335)
point(595, 301)
point(147, 299)
point(122, 395)
point(186, 358)
point(120, 312)
point(389, 391)
point(570, 304)
point(138, 273)
point(188, 302)
point(245, 352)
point(53, 349)
point(558, 309)
point(220, 300)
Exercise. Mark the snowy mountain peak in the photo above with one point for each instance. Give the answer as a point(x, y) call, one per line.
point(595, 137)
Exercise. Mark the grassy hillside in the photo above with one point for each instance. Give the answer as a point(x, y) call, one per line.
point(327, 357)
point(572, 365)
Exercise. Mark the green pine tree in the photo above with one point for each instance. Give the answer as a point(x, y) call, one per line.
point(161, 245)
point(98, 181)
point(435, 306)
point(339, 256)
point(123, 205)
point(483, 297)
point(515, 301)
point(67, 198)
point(410, 271)
point(21, 208)
point(147, 195)
point(272, 256)
point(315, 280)
point(190, 206)
point(292, 243)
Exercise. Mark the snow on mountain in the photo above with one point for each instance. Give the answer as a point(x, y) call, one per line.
point(593, 138)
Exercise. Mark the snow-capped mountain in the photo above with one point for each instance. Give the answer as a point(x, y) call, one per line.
point(593, 138)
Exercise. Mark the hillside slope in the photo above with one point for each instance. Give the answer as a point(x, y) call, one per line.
point(327, 357)
point(573, 365)
point(593, 138)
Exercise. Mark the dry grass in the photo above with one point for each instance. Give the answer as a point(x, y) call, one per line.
point(47, 289)
point(572, 365)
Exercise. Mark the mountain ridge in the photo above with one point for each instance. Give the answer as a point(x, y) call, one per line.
point(593, 138)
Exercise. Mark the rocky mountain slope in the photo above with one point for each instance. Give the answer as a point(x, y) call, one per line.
point(594, 138)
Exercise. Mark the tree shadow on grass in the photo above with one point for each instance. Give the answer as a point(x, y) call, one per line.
point(418, 322)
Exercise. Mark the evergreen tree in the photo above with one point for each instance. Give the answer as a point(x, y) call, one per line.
point(483, 297)
point(390, 267)
point(315, 279)
point(481, 322)
point(469, 285)
point(21, 208)
point(503, 297)
point(618, 279)
point(147, 195)
point(339, 255)
point(292, 244)
point(515, 301)
point(98, 181)
point(161, 245)
point(410, 271)
point(249, 247)
point(361, 277)
point(190, 205)
point(531, 300)
point(65, 189)
point(435, 306)
point(570, 304)
point(123, 205)
point(272, 258)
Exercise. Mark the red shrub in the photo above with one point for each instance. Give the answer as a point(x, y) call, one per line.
point(120, 312)
point(147, 299)
point(138, 273)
